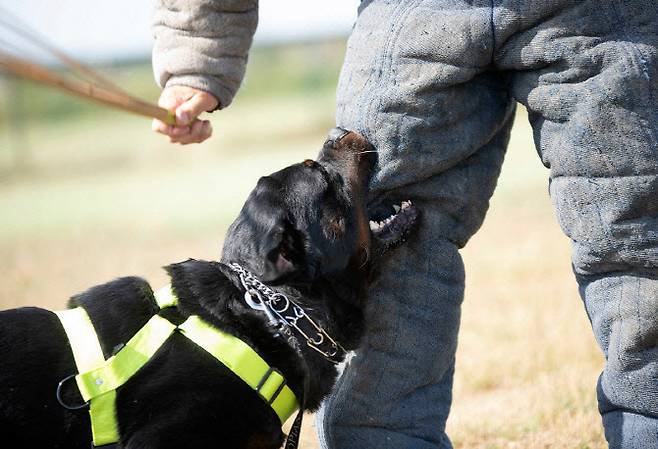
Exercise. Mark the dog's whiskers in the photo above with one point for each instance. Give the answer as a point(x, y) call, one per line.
point(368, 151)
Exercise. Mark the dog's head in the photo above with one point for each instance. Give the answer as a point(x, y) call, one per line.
point(309, 221)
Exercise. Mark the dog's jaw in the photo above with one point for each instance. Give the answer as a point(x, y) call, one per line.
point(393, 230)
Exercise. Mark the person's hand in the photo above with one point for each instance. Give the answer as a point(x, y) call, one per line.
point(187, 103)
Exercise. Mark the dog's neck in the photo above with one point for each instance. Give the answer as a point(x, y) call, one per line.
point(213, 291)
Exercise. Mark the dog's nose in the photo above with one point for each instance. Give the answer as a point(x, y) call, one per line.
point(346, 141)
point(335, 135)
point(350, 153)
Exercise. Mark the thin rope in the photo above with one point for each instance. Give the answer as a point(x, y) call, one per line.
point(89, 85)
point(11, 22)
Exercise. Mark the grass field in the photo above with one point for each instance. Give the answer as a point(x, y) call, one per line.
point(87, 195)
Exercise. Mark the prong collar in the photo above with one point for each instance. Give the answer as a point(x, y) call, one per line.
point(292, 319)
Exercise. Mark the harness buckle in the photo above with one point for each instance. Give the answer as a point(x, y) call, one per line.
point(270, 396)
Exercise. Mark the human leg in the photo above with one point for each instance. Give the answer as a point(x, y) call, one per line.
point(415, 83)
point(588, 73)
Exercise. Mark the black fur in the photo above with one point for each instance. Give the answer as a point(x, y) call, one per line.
point(301, 229)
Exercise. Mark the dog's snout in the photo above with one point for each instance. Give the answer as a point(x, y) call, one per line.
point(351, 152)
point(336, 134)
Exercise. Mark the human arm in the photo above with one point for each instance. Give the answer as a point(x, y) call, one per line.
point(199, 59)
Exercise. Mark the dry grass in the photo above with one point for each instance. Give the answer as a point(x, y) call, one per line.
point(527, 362)
point(95, 205)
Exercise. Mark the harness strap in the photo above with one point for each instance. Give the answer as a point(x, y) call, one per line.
point(86, 348)
point(165, 297)
point(98, 378)
point(238, 356)
point(119, 368)
point(88, 356)
point(245, 363)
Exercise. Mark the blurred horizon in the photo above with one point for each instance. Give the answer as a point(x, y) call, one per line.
point(96, 31)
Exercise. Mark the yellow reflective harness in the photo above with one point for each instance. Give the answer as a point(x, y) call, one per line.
point(98, 379)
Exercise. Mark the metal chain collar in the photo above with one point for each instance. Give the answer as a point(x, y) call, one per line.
point(288, 315)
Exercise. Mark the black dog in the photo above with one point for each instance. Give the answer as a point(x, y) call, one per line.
point(303, 230)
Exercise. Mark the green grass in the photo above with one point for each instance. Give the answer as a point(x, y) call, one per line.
point(86, 166)
point(274, 72)
point(119, 174)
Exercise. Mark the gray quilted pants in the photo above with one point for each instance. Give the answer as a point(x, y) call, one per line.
point(433, 84)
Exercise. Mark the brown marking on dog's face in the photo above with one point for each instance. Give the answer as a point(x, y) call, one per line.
point(356, 158)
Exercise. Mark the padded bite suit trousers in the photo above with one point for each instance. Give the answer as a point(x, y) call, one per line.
point(433, 85)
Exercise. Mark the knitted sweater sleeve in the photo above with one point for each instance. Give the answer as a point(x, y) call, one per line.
point(203, 44)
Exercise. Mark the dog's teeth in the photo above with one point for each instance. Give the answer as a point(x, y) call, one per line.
point(397, 208)
point(373, 226)
point(406, 204)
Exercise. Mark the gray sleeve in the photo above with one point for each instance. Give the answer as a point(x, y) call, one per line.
point(203, 44)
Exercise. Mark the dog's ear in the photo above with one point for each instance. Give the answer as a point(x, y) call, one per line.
point(286, 258)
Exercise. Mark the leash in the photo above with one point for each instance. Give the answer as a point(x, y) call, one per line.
point(14, 24)
point(91, 86)
point(292, 441)
point(84, 89)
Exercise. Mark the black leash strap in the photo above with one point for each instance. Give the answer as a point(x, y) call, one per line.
point(295, 431)
point(292, 441)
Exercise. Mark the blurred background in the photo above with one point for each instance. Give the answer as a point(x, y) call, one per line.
point(88, 194)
